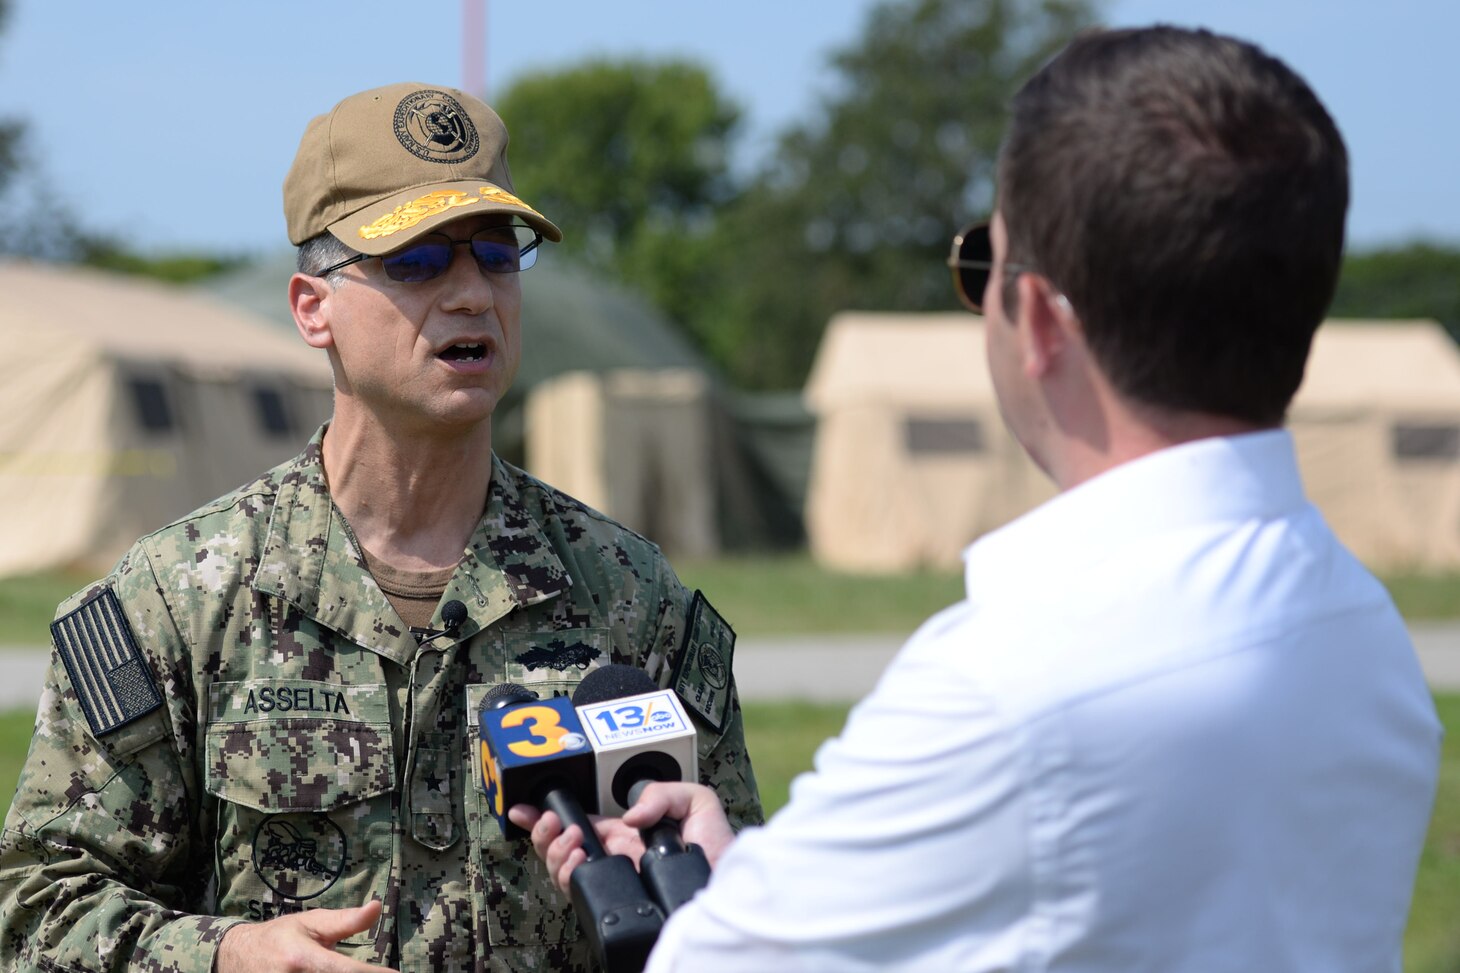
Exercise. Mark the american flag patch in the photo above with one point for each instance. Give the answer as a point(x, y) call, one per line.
point(106, 668)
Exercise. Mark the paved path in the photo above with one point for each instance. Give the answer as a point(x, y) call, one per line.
point(22, 673)
point(823, 668)
point(828, 668)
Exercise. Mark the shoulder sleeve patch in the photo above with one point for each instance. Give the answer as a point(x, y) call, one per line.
point(106, 667)
point(702, 674)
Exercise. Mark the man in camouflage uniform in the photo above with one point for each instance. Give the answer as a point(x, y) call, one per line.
point(257, 742)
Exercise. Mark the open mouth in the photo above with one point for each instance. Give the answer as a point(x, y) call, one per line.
point(465, 351)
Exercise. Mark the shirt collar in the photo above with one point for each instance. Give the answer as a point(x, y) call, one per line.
point(1244, 477)
point(311, 560)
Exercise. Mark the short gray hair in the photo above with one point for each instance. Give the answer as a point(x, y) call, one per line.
point(321, 251)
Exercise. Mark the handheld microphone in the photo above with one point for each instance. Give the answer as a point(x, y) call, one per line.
point(534, 752)
point(638, 731)
point(640, 734)
point(453, 614)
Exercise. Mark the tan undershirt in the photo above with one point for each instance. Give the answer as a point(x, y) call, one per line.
point(413, 594)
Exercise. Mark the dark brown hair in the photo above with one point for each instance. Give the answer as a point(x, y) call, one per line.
point(1187, 193)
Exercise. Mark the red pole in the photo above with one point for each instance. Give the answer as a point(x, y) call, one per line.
point(473, 47)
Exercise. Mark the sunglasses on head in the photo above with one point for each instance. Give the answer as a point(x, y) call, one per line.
point(497, 250)
point(971, 259)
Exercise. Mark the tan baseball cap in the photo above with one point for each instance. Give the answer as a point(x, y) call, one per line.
point(390, 164)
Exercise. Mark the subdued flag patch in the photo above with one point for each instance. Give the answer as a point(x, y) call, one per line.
point(106, 667)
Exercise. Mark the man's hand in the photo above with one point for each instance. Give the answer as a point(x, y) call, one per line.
point(694, 805)
point(299, 943)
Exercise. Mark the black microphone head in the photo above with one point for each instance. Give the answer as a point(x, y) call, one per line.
point(612, 682)
point(506, 694)
point(453, 613)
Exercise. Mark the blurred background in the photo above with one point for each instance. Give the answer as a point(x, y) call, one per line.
point(744, 342)
point(746, 347)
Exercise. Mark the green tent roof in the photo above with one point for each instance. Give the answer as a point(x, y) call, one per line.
point(571, 319)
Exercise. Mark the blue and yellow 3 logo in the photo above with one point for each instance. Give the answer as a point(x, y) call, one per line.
point(525, 734)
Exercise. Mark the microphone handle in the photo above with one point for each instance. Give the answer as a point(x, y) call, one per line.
point(674, 876)
point(662, 837)
point(562, 803)
point(672, 871)
point(615, 910)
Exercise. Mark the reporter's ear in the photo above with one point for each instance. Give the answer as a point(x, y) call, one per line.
point(1047, 323)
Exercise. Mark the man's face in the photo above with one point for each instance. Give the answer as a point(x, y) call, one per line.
point(435, 353)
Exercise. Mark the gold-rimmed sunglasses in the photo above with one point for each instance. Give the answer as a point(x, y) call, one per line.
point(971, 258)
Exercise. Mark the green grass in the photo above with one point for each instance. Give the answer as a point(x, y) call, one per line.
point(1432, 942)
point(16, 728)
point(783, 738)
point(770, 595)
point(790, 594)
point(764, 595)
point(1426, 597)
point(27, 605)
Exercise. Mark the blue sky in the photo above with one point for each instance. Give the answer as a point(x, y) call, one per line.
point(170, 123)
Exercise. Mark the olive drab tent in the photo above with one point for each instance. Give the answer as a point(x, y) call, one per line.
point(912, 462)
point(630, 385)
point(127, 403)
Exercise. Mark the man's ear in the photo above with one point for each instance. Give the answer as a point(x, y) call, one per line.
point(307, 297)
point(1047, 323)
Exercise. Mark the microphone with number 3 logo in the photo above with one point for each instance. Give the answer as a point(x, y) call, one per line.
point(534, 752)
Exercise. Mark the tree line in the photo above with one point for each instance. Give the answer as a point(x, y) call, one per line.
point(853, 208)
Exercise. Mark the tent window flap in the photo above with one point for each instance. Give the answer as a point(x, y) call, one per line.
point(923, 436)
point(273, 411)
point(152, 406)
point(1426, 441)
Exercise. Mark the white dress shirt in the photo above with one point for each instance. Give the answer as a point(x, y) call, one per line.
point(1175, 726)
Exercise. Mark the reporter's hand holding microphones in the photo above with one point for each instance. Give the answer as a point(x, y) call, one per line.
point(621, 746)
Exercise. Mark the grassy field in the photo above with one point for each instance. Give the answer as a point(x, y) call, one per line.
point(770, 595)
point(760, 596)
point(790, 595)
point(783, 738)
point(1432, 943)
point(27, 605)
point(1425, 597)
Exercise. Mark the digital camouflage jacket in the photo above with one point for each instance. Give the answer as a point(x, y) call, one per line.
point(236, 725)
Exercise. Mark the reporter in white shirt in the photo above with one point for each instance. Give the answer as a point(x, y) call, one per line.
point(1174, 726)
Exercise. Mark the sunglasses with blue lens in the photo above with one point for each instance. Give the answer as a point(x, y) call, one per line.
point(497, 249)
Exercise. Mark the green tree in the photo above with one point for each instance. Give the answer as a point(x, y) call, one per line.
point(854, 210)
point(1420, 280)
point(630, 158)
point(12, 133)
point(857, 207)
point(9, 129)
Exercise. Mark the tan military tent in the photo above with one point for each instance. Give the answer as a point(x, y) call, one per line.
point(1377, 423)
point(912, 462)
point(635, 443)
point(126, 403)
